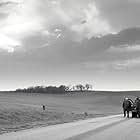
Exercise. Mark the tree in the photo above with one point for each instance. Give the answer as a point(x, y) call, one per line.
point(88, 86)
point(63, 88)
point(80, 87)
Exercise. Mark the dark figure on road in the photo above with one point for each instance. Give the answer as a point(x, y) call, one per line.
point(127, 106)
point(137, 103)
point(136, 100)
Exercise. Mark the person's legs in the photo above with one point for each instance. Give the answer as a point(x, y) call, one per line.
point(127, 113)
point(124, 112)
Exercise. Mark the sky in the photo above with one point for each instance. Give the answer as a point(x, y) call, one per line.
point(54, 42)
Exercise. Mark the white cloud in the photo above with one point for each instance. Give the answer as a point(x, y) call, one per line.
point(94, 24)
point(28, 17)
point(57, 30)
point(22, 21)
point(124, 48)
point(124, 64)
point(8, 44)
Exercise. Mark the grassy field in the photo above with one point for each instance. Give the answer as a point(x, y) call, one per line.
point(24, 110)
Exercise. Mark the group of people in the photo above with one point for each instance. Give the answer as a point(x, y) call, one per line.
point(129, 105)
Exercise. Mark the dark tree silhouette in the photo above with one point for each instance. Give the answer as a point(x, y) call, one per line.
point(80, 87)
point(53, 89)
point(88, 86)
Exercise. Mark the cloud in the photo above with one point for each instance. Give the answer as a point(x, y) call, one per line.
point(66, 59)
point(66, 40)
point(124, 49)
point(94, 24)
point(108, 51)
point(120, 14)
point(8, 44)
point(25, 18)
point(126, 64)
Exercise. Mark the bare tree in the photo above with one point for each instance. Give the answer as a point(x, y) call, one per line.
point(80, 87)
point(88, 86)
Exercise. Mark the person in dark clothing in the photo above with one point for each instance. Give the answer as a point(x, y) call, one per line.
point(137, 99)
point(127, 106)
point(137, 103)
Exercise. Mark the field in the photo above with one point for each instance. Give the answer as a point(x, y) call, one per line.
point(24, 110)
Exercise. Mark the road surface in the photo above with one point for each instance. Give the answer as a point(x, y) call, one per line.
point(105, 128)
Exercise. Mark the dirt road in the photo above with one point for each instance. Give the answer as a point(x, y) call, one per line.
point(112, 127)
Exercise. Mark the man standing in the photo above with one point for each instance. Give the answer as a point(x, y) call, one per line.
point(137, 102)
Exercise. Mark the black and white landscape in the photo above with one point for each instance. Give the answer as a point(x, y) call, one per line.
point(63, 61)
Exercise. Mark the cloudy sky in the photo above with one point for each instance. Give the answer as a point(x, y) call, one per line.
point(53, 42)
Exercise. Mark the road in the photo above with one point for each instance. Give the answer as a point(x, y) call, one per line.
point(105, 128)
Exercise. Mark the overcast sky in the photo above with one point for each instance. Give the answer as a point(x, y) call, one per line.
point(53, 42)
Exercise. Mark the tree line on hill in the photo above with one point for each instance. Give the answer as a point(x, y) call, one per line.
point(53, 89)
